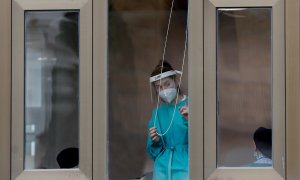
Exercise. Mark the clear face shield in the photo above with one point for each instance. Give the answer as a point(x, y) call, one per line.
point(167, 94)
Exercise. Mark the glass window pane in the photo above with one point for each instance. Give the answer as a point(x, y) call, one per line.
point(244, 87)
point(137, 32)
point(51, 89)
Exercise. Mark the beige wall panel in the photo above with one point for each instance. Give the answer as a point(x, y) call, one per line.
point(196, 88)
point(293, 89)
point(210, 135)
point(53, 174)
point(56, 4)
point(86, 89)
point(250, 174)
point(17, 147)
point(5, 81)
point(100, 107)
point(235, 3)
point(278, 96)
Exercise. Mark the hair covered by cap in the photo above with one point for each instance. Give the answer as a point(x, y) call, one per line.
point(161, 68)
point(263, 141)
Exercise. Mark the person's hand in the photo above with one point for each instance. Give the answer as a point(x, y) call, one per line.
point(153, 134)
point(184, 110)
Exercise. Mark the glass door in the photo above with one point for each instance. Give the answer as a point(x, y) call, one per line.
point(244, 89)
point(51, 90)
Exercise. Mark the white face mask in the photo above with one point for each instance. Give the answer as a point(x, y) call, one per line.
point(168, 95)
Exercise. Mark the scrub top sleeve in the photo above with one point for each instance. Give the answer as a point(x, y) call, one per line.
point(153, 148)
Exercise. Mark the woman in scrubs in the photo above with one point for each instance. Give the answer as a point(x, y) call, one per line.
point(167, 141)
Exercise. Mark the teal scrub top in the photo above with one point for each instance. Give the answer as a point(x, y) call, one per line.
point(170, 153)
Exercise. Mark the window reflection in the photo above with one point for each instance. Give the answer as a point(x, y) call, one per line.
point(51, 87)
point(244, 85)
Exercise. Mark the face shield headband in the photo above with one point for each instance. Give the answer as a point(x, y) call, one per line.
point(163, 75)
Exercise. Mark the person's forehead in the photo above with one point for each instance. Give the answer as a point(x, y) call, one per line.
point(164, 80)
